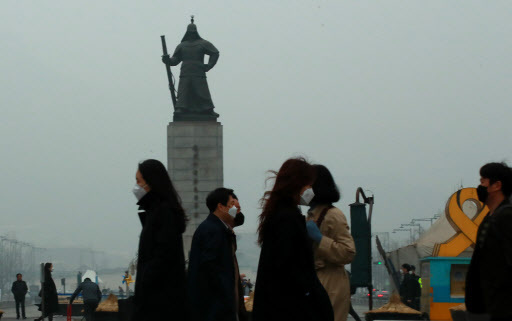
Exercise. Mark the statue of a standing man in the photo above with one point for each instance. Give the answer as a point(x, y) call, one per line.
point(194, 101)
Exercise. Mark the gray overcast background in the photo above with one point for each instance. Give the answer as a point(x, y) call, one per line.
point(404, 98)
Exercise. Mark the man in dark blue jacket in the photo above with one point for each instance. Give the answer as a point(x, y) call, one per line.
point(19, 290)
point(213, 276)
point(92, 296)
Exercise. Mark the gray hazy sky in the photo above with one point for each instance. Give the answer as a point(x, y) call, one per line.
point(404, 98)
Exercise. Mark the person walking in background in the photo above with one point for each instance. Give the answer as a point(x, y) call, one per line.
point(91, 295)
point(333, 244)
point(214, 284)
point(287, 252)
point(416, 288)
point(19, 290)
point(48, 294)
point(160, 281)
point(407, 291)
point(488, 279)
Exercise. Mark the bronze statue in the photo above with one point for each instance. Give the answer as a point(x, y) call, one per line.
point(193, 101)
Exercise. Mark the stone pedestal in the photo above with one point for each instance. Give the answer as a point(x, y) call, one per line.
point(195, 165)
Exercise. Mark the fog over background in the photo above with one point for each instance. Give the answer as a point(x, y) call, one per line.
point(406, 99)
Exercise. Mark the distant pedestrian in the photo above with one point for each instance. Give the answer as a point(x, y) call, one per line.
point(333, 244)
point(287, 252)
point(91, 295)
point(249, 286)
point(19, 290)
point(121, 292)
point(416, 287)
point(160, 280)
point(48, 294)
point(488, 281)
point(214, 284)
point(407, 289)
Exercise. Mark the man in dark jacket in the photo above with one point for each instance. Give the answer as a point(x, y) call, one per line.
point(417, 288)
point(214, 279)
point(407, 286)
point(487, 282)
point(92, 296)
point(19, 290)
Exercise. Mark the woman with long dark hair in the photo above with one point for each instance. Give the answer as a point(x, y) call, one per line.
point(333, 244)
point(50, 300)
point(160, 281)
point(287, 287)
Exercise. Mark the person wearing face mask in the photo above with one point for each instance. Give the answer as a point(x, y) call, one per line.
point(160, 280)
point(287, 251)
point(488, 281)
point(214, 283)
point(48, 295)
point(333, 244)
point(239, 218)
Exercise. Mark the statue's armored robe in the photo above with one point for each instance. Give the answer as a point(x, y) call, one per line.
point(193, 93)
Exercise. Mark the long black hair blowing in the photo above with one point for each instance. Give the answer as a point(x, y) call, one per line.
point(156, 176)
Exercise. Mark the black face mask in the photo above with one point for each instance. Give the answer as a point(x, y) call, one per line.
point(239, 219)
point(482, 193)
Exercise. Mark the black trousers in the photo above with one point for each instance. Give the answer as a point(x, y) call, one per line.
point(89, 308)
point(20, 302)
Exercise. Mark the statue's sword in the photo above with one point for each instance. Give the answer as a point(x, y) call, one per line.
point(169, 73)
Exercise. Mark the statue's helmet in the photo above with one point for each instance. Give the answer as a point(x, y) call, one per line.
point(191, 33)
point(192, 28)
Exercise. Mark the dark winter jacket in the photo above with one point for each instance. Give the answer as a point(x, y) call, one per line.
point(487, 282)
point(19, 289)
point(211, 273)
point(287, 286)
point(90, 291)
point(417, 285)
point(408, 288)
point(51, 299)
point(160, 281)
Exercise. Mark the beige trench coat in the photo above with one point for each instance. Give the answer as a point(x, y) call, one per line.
point(336, 249)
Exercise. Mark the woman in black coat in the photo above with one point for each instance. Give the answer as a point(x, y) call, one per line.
point(160, 281)
point(287, 287)
point(48, 294)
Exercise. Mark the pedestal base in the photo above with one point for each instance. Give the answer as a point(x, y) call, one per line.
point(195, 165)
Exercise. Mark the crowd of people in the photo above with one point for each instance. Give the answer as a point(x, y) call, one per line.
point(311, 250)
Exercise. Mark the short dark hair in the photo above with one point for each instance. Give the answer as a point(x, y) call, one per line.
point(324, 187)
point(406, 266)
point(87, 279)
point(234, 196)
point(220, 195)
point(498, 172)
point(413, 268)
point(19, 274)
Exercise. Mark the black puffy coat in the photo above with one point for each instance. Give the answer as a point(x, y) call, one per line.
point(160, 281)
point(287, 287)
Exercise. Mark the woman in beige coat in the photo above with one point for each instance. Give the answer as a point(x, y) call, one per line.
point(333, 244)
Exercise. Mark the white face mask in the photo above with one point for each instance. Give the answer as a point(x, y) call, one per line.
point(139, 191)
point(232, 211)
point(306, 197)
